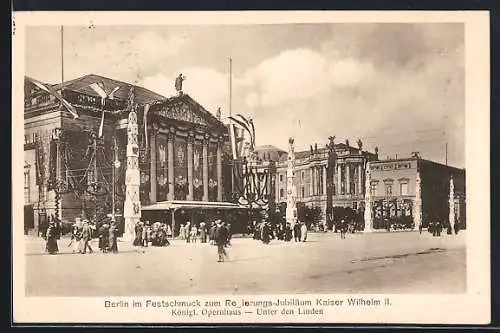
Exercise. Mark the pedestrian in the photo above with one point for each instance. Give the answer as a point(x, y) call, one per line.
point(103, 236)
point(203, 232)
point(86, 238)
point(193, 234)
point(266, 233)
point(303, 231)
point(296, 232)
point(51, 236)
point(138, 234)
point(343, 229)
point(145, 232)
point(420, 228)
point(220, 239)
point(75, 238)
point(113, 245)
point(187, 232)
point(213, 233)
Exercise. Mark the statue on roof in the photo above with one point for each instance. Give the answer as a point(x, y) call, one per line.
point(218, 115)
point(376, 150)
point(360, 144)
point(331, 145)
point(347, 143)
point(178, 83)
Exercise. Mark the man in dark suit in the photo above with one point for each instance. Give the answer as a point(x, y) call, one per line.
point(221, 240)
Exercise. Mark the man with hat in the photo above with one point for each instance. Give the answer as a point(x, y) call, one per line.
point(86, 233)
point(221, 240)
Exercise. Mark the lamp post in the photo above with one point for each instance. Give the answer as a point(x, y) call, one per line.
point(116, 165)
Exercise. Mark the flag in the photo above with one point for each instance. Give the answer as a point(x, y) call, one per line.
point(54, 93)
point(145, 121)
point(99, 90)
point(112, 93)
point(233, 141)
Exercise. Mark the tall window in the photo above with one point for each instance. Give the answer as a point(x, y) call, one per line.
point(403, 188)
point(388, 190)
point(281, 177)
point(373, 189)
point(282, 193)
point(302, 192)
point(26, 185)
point(302, 175)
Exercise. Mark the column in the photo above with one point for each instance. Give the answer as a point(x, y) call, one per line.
point(205, 168)
point(315, 181)
point(368, 201)
point(170, 162)
point(152, 154)
point(311, 183)
point(190, 165)
point(360, 179)
point(219, 170)
point(348, 178)
point(324, 180)
point(339, 179)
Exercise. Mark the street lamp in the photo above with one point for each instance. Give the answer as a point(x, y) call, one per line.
point(116, 166)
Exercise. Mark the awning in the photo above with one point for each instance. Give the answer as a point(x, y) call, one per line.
point(180, 204)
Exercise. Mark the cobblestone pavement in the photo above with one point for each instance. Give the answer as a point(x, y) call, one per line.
point(403, 262)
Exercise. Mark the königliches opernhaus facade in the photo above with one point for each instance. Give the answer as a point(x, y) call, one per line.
point(185, 165)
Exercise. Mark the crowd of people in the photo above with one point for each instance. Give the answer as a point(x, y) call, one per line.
point(265, 231)
point(84, 231)
point(218, 233)
point(155, 234)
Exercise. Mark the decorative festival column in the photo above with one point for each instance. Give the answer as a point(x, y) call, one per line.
point(170, 162)
point(291, 209)
point(451, 203)
point(417, 203)
point(132, 204)
point(152, 193)
point(219, 170)
point(205, 168)
point(368, 201)
point(348, 178)
point(339, 179)
point(324, 179)
point(360, 179)
point(190, 141)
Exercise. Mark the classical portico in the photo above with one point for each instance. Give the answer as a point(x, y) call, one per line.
point(186, 152)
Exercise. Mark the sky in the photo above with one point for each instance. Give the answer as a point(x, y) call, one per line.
point(399, 87)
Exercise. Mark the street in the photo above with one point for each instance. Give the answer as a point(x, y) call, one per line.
point(397, 262)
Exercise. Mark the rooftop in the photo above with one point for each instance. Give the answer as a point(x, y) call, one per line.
point(82, 84)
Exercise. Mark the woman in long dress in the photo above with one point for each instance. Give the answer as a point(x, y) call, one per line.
point(138, 234)
point(113, 246)
point(303, 231)
point(51, 245)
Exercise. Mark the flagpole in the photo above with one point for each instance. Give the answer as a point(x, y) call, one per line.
point(231, 131)
point(230, 88)
point(62, 58)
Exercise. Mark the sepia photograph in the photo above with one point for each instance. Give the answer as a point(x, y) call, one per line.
point(245, 160)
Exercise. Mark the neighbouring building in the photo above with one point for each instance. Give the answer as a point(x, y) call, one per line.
point(413, 191)
point(348, 183)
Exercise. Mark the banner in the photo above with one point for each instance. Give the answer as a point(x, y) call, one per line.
point(161, 168)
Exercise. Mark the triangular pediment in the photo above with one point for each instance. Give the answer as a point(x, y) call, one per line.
point(185, 109)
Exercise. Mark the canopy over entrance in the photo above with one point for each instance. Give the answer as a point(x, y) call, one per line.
point(181, 204)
